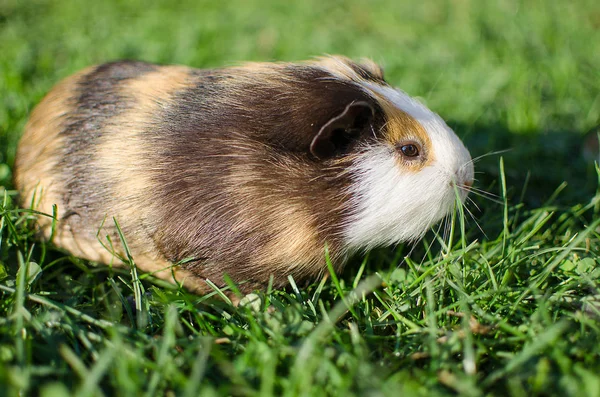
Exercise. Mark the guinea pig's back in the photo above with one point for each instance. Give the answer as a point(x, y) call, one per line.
point(85, 149)
point(208, 168)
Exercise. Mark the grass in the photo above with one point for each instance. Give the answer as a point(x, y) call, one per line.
point(511, 309)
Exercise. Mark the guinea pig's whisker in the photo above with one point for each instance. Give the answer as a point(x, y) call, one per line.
point(474, 219)
point(482, 192)
point(446, 234)
point(492, 199)
point(478, 158)
point(450, 230)
point(479, 191)
point(471, 201)
point(429, 246)
point(447, 230)
point(441, 225)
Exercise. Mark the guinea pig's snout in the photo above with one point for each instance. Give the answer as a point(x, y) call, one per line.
point(463, 177)
point(462, 184)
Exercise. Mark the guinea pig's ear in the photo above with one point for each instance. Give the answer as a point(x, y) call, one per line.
point(338, 134)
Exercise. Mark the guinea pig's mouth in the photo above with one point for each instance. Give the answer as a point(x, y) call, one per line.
point(461, 188)
point(466, 186)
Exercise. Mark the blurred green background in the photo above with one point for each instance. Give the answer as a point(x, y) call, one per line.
point(520, 75)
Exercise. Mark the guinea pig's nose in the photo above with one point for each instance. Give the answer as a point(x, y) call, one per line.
point(464, 178)
point(463, 183)
point(465, 175)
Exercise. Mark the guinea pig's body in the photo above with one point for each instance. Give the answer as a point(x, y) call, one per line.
point(248, 171)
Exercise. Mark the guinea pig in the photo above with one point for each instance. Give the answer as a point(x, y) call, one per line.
point(248, 171)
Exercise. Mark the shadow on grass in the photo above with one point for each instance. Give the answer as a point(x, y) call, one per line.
point(535, 163)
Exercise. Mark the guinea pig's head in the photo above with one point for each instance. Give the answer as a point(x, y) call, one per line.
point(408, 169)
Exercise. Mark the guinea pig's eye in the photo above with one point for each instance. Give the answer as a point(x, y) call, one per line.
point(409, 149)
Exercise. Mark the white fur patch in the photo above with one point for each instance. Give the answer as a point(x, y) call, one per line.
point(394, 205)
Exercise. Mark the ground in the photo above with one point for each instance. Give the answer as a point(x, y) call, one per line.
point(509, 305)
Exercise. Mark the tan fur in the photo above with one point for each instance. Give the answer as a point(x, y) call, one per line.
point(266, 73)
point(339, 66)
point(372, 67)
point(336, 65)
point(37, 157)
point(170, 272)
point(296, 243)
point(122, 160)
point(99, 251)
point(402, 127)
point(295, 230)
point(40, 149)
point(259, 68)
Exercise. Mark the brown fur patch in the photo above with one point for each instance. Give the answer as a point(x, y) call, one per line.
point(402, 127)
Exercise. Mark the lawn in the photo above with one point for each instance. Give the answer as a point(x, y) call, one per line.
point(506, 305)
